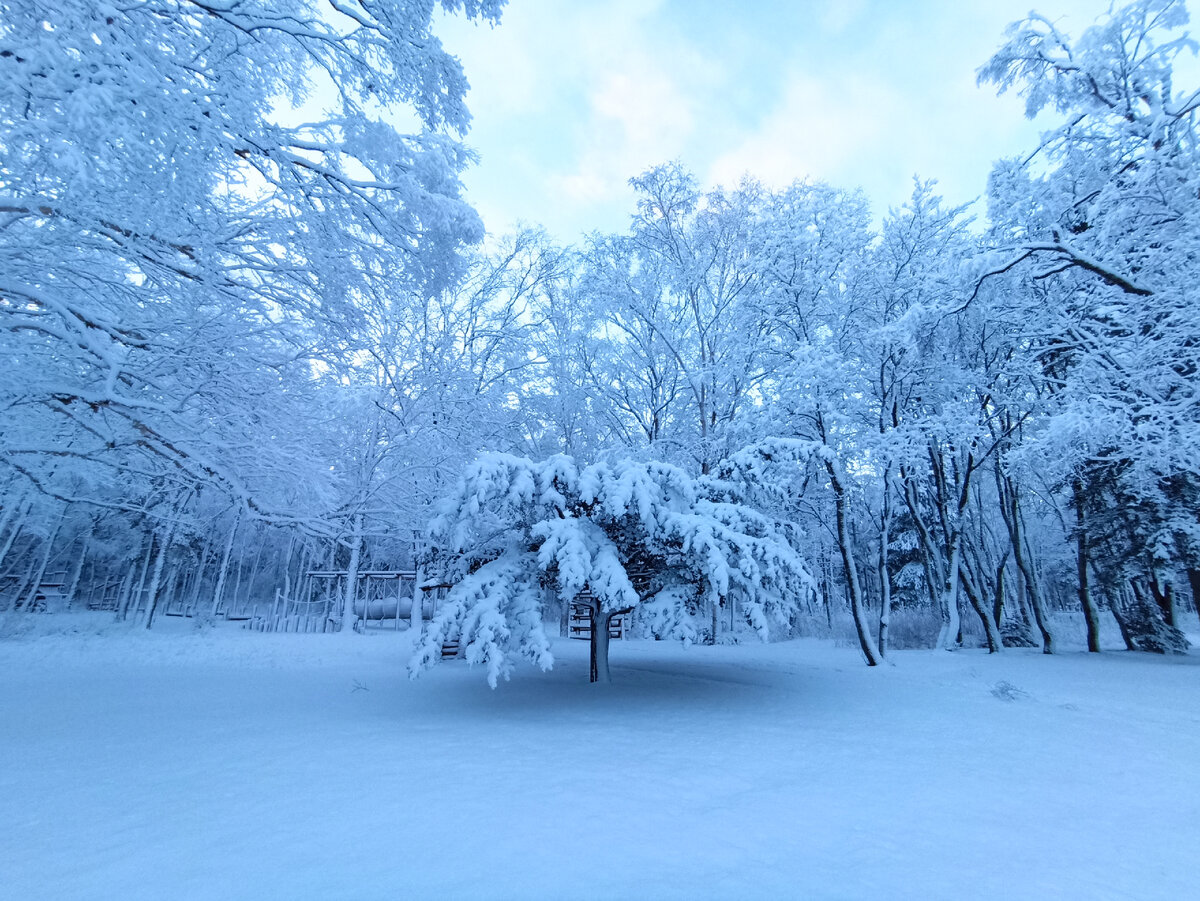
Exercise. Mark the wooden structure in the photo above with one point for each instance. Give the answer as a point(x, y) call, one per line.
point(50, 596)
point(379, 595)
point(579, 622)
point(36, 592)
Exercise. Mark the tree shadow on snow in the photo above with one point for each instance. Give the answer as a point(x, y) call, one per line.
point(640, 688)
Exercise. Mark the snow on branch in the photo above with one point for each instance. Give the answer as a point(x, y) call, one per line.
point(516, 533)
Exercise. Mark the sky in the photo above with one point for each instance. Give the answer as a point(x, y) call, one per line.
point(572, 98)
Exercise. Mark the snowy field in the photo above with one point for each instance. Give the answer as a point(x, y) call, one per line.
point(232, 765)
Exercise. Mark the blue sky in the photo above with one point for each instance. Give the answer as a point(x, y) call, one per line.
point(573, 97)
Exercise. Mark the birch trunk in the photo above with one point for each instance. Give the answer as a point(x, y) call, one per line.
point(193, 601)
point(951, 622)
point(134, 598)
point(348, 619)
point(885, 579)
point(122, 595)
point(155, 580)
point(253, 574)
point(77, 573)
point(223, 574)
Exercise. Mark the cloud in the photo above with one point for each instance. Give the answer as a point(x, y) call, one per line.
point(573, 99)
point(637, 116)
point(841, 14)
point(885, 94)
point(817, 129)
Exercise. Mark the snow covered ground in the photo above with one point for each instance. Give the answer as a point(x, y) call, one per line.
point(226, 764)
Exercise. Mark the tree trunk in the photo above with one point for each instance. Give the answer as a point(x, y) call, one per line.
point(11, 529)
point(348, 619)
point(223, 574)
point(948, 599)
point(31, 600)
point(599, 651)
point(122, 599)
point(77, 573)
point(163, 550)
point(1164, 595)
point(1010, 509)
point(1193, 575)
point(253, 574)
point(998, 595)
point(932, 564)
point(134, 599)
point(990, 629)
point(418, 601)
point(172, 585)
point(885, 579)
point(1091, 614)
point(6, 518)
point(1119, 605)
point(826, 590)
point(286, 569)
point(23, 586)
point(865, 640)
point(1144, 628)
point(193, 601)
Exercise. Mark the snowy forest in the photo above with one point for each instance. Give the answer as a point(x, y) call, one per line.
point(244, 345)
point(284, 427)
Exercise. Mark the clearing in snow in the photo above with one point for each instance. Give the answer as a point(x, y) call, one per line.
point(232, 765)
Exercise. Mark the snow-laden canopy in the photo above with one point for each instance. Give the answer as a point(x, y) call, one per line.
point(645, 535)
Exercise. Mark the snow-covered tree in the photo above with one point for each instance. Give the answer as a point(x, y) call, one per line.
point(516, 534)
point(170, 237)
point(677, 339)
point(1104, 221)
point(201, 205)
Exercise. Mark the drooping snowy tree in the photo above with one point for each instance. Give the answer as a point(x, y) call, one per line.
point(518, 534)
